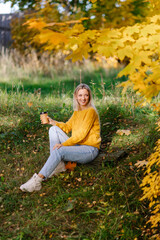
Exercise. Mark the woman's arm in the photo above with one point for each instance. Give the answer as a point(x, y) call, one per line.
point(66, 127)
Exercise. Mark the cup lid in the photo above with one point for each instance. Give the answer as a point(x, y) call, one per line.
point(43, 112)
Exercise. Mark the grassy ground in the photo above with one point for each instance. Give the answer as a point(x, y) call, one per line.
point(94, 202)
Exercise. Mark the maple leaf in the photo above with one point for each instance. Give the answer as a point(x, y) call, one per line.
point(51, 37)
point(122, 53)
point(79, 53)
point(108, 34)
point(155, 18)
point(105, 50)
point(131, 30)
point(127, 70)
point(140, 43)
point(149, 30)
point(37, 24)
point(77, 29)
point(71, 166)
point(142, 56)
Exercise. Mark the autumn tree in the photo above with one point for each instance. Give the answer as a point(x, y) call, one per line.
point(100, 13)
point(96, 14)
point(23, 36)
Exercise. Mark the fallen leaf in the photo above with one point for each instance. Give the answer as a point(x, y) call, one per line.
point(70, 205)
point(50, 236)
point(123, 132)
point(79, 179)
point(30, 104)
point(141, 163)
point(71, 165)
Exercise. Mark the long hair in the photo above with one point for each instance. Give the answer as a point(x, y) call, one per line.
point(76, 106)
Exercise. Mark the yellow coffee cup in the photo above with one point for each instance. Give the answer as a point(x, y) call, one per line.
point(44, 117)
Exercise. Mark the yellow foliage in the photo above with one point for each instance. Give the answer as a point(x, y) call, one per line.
point(139, 43)
point(93, 1)
point(151, 184)
point(37, 24)
point(154, 7)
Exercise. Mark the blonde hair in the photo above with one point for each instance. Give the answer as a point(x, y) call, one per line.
point(76, 106)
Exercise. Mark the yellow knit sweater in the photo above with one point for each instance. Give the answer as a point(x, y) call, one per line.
point(85, 128)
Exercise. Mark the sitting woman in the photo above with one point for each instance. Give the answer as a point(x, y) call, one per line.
point(83, 145)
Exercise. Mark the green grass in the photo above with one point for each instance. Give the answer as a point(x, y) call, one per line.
point(59, 85)
point(96, 201)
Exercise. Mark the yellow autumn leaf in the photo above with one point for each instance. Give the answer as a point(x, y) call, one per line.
point(140, 44)
point(155, 18)
point(129, 69)
point(125, 52)
point(77, 29)
point(142, 57)
point(79, 53)
point(93, 1)
point(37, 24)
point(131, 30)
point(104, 50)
point(149, 30)
point(53, 38)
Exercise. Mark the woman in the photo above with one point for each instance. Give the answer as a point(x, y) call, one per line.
point(82, 147)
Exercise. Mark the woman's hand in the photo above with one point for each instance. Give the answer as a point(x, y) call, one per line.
point(51, 121)
point(57, 145)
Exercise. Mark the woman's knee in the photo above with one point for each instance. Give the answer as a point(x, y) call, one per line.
point(61, 152)
point(52, 130)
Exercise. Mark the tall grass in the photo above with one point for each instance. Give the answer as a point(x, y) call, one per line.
point(96, 201)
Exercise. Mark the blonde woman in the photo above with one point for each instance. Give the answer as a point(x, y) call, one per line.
point(83, 145)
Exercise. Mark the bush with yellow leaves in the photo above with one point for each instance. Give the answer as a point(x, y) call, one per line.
point(151, 184)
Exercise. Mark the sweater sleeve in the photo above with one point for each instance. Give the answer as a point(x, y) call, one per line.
point(66, 127)
point(84, 128)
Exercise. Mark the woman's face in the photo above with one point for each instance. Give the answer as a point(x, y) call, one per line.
point(83, 98)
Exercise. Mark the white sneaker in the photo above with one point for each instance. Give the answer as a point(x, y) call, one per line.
point(33, 184)
point(58, 169)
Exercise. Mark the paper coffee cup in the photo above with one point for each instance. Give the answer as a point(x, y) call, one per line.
point(43, 116)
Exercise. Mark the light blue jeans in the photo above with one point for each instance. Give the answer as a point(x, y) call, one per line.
point(78, 153)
